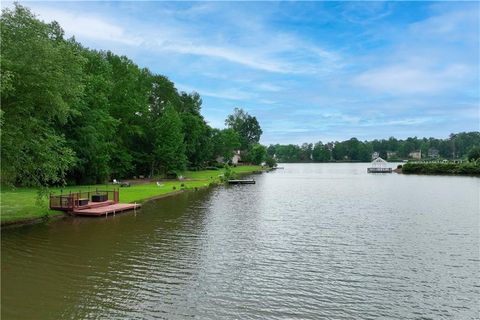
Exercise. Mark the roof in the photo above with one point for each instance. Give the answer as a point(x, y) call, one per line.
point(379, 162)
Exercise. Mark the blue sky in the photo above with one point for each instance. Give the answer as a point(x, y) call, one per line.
point(309, 71)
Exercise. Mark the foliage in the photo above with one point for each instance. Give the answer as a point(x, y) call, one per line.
point(247, 127)
point(463, 168)
point(321, 153)
point(474, 154)
point(225, 142)
point(271, 162)
point(257, 154)
point(40, 91)
point(84, 116)
point(169, 148)
point(456, 146)
point(228, 173)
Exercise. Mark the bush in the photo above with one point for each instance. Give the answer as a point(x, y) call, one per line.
point(171, 175)
point(228, 174)
point(461, 168)
point(271, 162)
point(474, 154)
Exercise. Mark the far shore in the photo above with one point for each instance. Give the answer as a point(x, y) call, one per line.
point(21, 206)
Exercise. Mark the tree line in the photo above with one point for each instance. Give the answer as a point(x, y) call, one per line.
point(74, 114)
point(456, 146)
point(82, 116)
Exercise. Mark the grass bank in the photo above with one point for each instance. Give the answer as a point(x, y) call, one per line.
point(23, 204)
point(447, 168)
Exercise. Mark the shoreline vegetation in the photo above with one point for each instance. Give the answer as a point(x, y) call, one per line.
point(467, 168)
point(21, 206)
point(455, 146)
point(96, 116)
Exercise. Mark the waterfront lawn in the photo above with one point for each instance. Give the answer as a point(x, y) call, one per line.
point(215, 174)
point(24, 204)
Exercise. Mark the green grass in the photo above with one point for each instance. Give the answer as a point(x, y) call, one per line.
point(24, 204)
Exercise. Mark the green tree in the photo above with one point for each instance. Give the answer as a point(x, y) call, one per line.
point(306, 152)
point(247, 127)
point(169, 147)
point(257, 154)
point(41, 86)
point(224, 143)
point(91, 129)
point(320, 153)
point(474, 154)
point(129, 106)
point(270, 161)
point(197, 132)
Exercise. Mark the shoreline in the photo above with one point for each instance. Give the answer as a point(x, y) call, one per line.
point(58, 215)
point(53, 215)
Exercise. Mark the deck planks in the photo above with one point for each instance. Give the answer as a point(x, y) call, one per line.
point(106, 209)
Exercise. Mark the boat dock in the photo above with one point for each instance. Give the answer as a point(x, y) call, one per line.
point(249, 181)
point(95, 203)
point(379, 170)
point(379, 166)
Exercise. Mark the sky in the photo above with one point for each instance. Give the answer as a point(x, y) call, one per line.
point(309, 71)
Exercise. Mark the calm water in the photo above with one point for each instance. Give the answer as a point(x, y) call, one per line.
point(309, 242)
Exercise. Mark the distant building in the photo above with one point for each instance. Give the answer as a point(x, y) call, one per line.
point(417, 154)
point(375, 155)
point(235, 159)
point(433, 153)
point(391, 154)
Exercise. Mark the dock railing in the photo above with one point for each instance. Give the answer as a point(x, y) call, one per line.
point(73, 200)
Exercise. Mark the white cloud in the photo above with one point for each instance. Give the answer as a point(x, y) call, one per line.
point(228, 93)
point(259, 51)
point(88, 26)
point(413, 79)
point(451, 25)
point(268, 87)
point(229, 54)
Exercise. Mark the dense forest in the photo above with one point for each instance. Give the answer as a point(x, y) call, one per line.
point(76, 115)
point(456, 146)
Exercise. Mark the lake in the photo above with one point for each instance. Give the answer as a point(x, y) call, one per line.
point(308, 242)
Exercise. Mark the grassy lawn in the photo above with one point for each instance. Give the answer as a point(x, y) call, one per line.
point(23, 203)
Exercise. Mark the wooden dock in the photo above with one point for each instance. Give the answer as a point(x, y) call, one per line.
point(379, 170)
point(248, 181)
point(106, 209)
point(94, 203)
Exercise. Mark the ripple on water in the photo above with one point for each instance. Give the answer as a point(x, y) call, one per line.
point(307, 242)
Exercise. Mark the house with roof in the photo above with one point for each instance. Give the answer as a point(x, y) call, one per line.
point(433, 153)
point(391, 154)
point(416, 154)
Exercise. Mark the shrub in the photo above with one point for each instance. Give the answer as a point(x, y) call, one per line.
point(474, 154)
point(463, 168)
